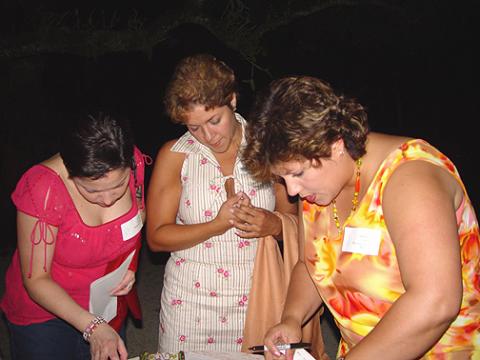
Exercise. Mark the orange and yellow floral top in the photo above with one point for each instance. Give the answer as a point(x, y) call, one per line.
point(359, 288)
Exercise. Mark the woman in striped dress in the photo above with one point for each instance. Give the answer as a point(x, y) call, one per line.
point(197, 187)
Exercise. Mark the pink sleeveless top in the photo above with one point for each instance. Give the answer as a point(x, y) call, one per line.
point(359, 300)
point(82, 253)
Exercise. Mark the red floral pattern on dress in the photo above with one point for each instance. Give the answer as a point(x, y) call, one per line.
point(179, 262)
point(243, 243)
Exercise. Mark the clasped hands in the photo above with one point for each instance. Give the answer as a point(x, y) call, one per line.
point(251, 221)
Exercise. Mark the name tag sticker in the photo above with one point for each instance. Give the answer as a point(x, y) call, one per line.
point(361, 240)
point(132, 227)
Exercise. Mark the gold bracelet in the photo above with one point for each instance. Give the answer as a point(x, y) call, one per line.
point(97, 320)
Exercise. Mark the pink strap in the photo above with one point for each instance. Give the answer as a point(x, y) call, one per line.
point(147, 159)
point(43, 229)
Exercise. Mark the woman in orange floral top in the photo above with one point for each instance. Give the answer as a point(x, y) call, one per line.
point(390, 238)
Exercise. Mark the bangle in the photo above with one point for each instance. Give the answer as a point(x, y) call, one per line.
point(97, 320)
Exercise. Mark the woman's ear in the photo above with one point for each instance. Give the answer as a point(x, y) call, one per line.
point(338, 149)
point(233, 102)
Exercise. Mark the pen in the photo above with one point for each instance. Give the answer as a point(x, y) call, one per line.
point(281, 347)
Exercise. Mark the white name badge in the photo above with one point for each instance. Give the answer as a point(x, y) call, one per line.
point(361, 240)
point(132, 227)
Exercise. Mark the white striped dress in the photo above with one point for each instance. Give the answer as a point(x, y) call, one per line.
point(205, 290)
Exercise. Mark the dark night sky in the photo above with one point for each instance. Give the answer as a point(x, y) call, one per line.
point(410, 62)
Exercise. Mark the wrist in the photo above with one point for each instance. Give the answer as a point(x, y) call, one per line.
point(92, 325)
point(292, 320)
point(279, 227)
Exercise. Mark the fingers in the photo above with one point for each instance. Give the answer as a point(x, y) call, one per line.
point(106, 344)
point(122, 350)
point(123, 289)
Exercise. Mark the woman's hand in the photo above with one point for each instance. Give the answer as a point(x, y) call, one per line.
point(282, 333)
point(124, 287)
point(106, 344)
point(254, 222)
point(225, 215)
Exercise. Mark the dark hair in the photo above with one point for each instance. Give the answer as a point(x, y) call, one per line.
point(96, 143)
point(301, 117)
point(199, 79)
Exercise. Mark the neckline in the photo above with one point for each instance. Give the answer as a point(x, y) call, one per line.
point(131, 186)
point(379, 172)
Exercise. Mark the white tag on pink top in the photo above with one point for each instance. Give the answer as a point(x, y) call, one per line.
point(361, 240)
point(132, 227)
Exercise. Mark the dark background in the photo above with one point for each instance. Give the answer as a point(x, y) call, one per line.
point(410, 62)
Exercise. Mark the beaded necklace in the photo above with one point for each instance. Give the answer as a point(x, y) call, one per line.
point(354, 200)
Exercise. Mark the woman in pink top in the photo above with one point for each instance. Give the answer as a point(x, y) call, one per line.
point(389, 238)
point(79, 216)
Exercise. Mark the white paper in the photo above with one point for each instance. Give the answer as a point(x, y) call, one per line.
point(207, 355)
point(101, 302)
point(302, 354)
point(211, 355)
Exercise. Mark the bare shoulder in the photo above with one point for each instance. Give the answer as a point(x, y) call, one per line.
point(384, 144)
point(166, 154)
point(168, 163)
point(424, 180)
point(379, 147)
point(55, 163)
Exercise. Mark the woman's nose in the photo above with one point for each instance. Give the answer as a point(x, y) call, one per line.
point(108, 199)
point(292, 188)
point(207, 134)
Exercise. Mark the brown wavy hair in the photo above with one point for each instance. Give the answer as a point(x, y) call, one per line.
point(300, 117)
point(199, 79)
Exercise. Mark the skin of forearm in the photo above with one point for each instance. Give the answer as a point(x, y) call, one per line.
point(407, 330)
point(48, 294)
point(175, 237)
point(303, 299)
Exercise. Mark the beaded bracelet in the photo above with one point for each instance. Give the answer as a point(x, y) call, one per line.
point(92, 326)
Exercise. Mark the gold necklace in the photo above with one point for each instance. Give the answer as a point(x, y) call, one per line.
point(354, 200)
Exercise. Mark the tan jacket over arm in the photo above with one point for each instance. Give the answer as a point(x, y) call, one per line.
point(271, 276)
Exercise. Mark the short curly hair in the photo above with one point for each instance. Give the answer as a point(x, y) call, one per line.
point(199, 79)
point(300, 117)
